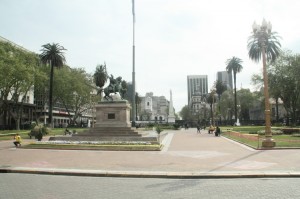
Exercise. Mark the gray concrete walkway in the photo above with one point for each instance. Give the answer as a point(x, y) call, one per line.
point(186, 154)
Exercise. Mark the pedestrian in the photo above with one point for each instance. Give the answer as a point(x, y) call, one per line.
point(218, 131)
point(18, 140)
point(185, 126)
point(40, 135)
point(198, 129)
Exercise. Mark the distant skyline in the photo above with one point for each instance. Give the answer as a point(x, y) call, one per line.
point(173, 38)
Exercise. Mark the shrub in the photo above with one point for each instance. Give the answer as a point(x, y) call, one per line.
point(36, 129)
point(274, 132)
point(176, 126)
point(150, 125)
point(158, 129)
point(289, 131)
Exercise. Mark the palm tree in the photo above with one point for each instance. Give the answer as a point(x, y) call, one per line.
point(272, 47)
point(220, 88)
point(52, 53)
point(100, 76)
point(210, 99)
point(234, 65)
point(263, 43)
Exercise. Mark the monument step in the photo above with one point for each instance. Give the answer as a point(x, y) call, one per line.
point(103, 131)
point(109, 139)
point(107, 134)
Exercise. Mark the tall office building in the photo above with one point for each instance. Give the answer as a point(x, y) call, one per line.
point(196, 84)
point(226, 78)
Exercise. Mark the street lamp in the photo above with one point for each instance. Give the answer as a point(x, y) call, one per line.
point(262, 34)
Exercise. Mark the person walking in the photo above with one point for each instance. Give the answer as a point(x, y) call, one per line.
point(218, 131)
point(198, 129)
point(18, 140)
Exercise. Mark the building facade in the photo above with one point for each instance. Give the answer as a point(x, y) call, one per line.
point(196, 84)
point(226, 78)
point(153, 108)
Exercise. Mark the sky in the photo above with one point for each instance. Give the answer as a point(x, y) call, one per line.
point(173, 38)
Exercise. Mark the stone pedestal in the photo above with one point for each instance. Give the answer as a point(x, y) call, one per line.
point(268, 143)
point(171, 119)
point(113, 114)
point(112, 124)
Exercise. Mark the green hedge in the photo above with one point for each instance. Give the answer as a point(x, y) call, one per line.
point(289, 131)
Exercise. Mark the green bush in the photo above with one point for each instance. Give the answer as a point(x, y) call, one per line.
point(150, 125)
point(274, 132)
point(158, 129)
point(46, 130)
point(36, 129)
point(176, 126)
point(289, 131)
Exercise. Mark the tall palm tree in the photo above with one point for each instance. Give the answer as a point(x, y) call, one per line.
point(272, 47)
point(100, 76)
point(263, 44)
point(220, 88)
point(234, 65)
point(210, 99)
point(54, 54)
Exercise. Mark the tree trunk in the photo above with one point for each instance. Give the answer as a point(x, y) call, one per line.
point(51, 96)
point(277, 112)
point(235, 103)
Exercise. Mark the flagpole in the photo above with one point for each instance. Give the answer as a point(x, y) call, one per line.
point(133, 68)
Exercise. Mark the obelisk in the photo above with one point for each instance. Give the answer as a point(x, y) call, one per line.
point(171, 116)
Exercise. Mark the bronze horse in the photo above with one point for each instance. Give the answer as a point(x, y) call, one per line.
point(114, 87)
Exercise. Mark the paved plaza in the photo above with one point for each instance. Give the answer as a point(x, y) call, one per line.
point(186, 154)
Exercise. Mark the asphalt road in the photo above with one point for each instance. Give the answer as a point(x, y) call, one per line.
point(32, 186)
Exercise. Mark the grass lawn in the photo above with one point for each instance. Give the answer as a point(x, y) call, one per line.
point(9, 134)
point(247, 136)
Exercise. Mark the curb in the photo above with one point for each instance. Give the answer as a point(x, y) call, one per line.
point(149, 174)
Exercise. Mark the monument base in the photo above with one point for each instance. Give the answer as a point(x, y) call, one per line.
point(112, 124)
point(171, 119)
point(268, 143)
point(113, 114)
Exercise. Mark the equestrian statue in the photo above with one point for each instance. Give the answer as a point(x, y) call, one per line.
point(115, 87)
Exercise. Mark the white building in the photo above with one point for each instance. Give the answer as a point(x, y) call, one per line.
point(153, 108)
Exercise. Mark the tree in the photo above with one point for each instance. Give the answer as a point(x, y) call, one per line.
point(54, 54)
point(211, 99)
point(220, 87)
point(234, 65)
point(246, 100)
point(272, 47)
point(76, 94)
point(185, 113)
point(138, 100)
point(227, 105)
point(285, 83)
point(17, 81)
point(100, 77)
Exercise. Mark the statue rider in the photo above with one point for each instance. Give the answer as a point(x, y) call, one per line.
point(112, 84)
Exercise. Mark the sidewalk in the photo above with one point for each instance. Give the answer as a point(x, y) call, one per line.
point(186, 155)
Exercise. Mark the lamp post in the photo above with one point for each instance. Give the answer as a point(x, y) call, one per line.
point(133, 67)
point(262, 34)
